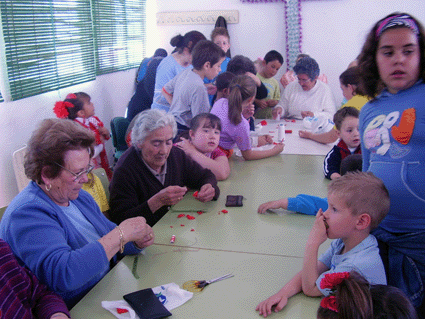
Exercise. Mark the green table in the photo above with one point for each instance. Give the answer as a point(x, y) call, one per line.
point(262, 251)
point(255, 278)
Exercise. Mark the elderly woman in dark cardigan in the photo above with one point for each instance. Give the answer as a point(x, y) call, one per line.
point(152, 174)
point(56, 229)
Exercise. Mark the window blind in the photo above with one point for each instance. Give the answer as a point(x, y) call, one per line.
point(119, 33)
point(48, 44)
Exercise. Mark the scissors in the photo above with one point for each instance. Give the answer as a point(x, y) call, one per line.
point(199, 285)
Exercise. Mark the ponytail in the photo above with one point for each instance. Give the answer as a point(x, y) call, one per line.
point(187, 41)
point(241, 88)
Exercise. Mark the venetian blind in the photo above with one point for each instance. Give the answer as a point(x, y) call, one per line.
point(119, 33)
point(48, 44)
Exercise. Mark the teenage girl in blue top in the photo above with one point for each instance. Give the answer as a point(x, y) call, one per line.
point(392, 130)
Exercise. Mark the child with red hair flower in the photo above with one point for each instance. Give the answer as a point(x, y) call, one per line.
point(78, 107)
point(358, 201)
point(353, 297)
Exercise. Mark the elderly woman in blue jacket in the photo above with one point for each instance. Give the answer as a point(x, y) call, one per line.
point(56, 229)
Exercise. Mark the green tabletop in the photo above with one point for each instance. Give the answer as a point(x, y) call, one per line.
point(262, 251)
point(242, 228)
point(256, 277)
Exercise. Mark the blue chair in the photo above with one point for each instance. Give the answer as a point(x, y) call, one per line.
point(119, 127)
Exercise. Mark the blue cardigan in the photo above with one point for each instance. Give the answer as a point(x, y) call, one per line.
point(43, 238)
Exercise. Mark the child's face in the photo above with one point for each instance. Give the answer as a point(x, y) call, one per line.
point(342, 223)
point(205, 139)
point(398, 59)
point(271, 68)
point(223, 42)
point(349, 131)
point(347, 90)
point(248, 103)
point(213, 71)
point(88, 108)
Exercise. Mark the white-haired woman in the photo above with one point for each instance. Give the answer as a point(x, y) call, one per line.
point(153, 175)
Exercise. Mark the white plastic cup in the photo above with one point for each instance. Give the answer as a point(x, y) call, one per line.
point(281, 133)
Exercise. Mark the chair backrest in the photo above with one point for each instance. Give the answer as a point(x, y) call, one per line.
point(18, 166)
point(119, 126)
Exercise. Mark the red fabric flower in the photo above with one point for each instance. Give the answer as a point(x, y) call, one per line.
point(180, 215)
point(224, 211)
point(182, 225)
point(333, 279)
point(329, 303)
point(192, 229)
point(61, 109)
point(263, 122)
point(190, 217)
point(71, 96)
point(200, 212)
point(195, 194)
point(121, 310)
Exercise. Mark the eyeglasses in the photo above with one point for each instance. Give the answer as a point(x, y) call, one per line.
point(77, 176)
point(303, 80)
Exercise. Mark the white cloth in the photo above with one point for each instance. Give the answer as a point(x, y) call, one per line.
point(170, 295)
point(318, 100)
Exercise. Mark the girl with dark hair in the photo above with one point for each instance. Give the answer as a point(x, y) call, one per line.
point(79, 108)
point(178, 61)
point(201, 144)
point(392, 126)
point(235, 131)
point(353, 298)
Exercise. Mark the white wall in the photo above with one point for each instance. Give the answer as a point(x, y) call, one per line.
point(110, 94)
point(333, 33)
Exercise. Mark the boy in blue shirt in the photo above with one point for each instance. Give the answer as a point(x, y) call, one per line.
point(358, 202)
point(186, 92)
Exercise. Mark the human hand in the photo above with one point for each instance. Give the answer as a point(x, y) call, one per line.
point(318, 233)
point(186, 146)
point(262, 104)
point(104, 132)
point(279, 147)
point(206, 193)
point(262, 209)
point(305, 134)
point(248, 111)
point(277, 112)
point(284, 81)
point(306, 114)
point(211, 89)
point(264, 139)
point(272, 103)
point(264, 308)
point(254, 77)
point(171, 195)
point(59, 315)
point(135, 229)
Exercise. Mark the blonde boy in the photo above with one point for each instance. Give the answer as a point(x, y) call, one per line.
point(358, 202)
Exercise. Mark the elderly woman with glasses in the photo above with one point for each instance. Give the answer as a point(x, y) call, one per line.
point(56, 229)
point(307, 96)
point(152, 174)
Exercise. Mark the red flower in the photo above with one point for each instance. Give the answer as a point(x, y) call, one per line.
point(61, 109)
point(263, 122)
point(224, 211)
point(333, 279)
point(71, 96)
point(200, 212)
point(195, 194)
point(190, 217)
point(329, 303)
point(180, 215)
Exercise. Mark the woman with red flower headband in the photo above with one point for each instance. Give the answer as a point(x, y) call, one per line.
point(78, 107)
point(353, 298)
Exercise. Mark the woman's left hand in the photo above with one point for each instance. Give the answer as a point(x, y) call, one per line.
point(206, 193)
point(307, 114)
